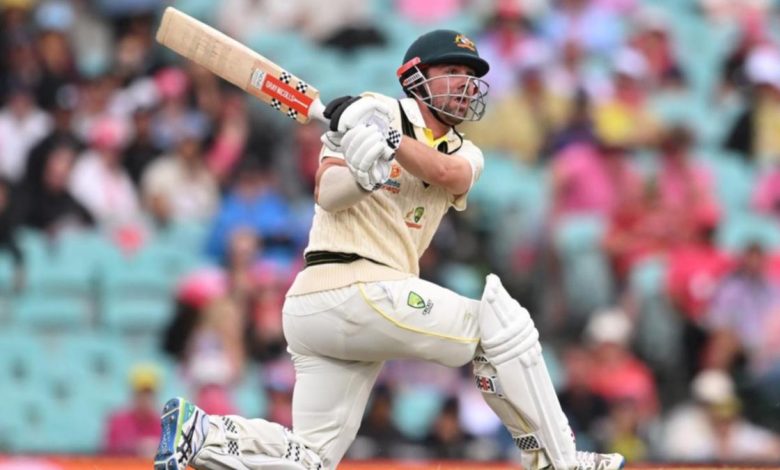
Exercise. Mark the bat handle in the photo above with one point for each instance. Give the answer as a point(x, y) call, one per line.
point(316, 110)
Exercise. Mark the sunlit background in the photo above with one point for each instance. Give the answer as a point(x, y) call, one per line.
point(152, 217)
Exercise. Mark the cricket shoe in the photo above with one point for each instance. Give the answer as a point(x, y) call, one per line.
point(184, 428)
point(596, 461)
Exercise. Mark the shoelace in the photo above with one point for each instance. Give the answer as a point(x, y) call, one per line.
point(186, 445)
point(587, 459)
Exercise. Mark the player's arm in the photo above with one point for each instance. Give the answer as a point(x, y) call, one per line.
point(335, 188)
point(451, 172)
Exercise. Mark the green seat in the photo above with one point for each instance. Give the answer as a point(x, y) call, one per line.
point(250, 395)
point(739, 230)
point(734, 181)
point(136, 315)
point(7, 271)
point(51, 312)
point(137, 281)
point(415, 409)
point(587, 276)
point(101, 357)
point(22, 359)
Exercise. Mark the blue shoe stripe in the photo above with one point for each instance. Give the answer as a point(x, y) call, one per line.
point(170, 423)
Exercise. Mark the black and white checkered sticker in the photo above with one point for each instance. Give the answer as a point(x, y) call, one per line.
point(232, 448)
point(393, 139)
point(302, 87)
point(527, 442)
point(293, 114)
point(285, 77)
point(276, 104)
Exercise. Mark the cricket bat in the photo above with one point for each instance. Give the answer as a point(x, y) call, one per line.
point(240, 65)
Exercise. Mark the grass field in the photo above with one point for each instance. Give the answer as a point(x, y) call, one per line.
point(105, 463)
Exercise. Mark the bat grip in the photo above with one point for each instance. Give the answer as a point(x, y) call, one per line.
point(316, 110)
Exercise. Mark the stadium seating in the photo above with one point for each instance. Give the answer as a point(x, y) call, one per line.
point(587, 279)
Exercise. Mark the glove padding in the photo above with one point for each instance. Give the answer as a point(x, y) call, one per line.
point(348, 112)
point(368, 156)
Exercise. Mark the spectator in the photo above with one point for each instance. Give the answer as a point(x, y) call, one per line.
point(254, 202)
point(621, 113)
point(653, 40)
point(525, 120)
point(430, 12)
point(695, 269)
point(447, 439)
point(178, 187)
point(231, 138)
point(51, 207)
point(346, 25)
point(142, 150)
point(595, 29)
point(243, 19)
point(643, 228)
point(743, 326)
point(624, 430)
point(100, 183)
point(685, 185)
point(378, 437)
point(57, 67)
point(591, 179)
point(175, 116)
point(582, 406)
point(22, 125)
point(754, 135)
point(215, 352)
point(711, 428)
point(766, 194)
point(215, 355)
point(135, 429)
point(193, 292)
point(744, 303)
point(62, 134)
point(507, 42)
point(617, 375)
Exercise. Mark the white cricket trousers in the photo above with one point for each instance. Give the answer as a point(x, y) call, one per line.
point(340, 338)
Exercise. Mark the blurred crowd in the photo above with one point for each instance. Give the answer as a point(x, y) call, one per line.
point(633, 206)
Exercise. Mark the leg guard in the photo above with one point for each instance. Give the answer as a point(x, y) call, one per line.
point(238, 443)
point(514, 380)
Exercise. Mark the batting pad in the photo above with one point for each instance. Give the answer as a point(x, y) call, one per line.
point(514, 380)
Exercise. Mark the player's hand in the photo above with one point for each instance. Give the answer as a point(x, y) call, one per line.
point(332, 140)
point(367, 155)
point(348, 112)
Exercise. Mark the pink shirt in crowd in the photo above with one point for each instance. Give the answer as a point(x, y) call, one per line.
point(590, 183)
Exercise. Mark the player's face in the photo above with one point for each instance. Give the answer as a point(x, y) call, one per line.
point(454, 90)
point(450, 87)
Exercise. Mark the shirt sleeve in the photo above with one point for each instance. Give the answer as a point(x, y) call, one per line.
point(473, 155)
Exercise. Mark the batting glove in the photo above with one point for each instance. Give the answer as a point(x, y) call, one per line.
point(367, 155)
point(348, 112)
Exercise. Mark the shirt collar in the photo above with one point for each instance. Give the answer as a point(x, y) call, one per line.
point(412, 111)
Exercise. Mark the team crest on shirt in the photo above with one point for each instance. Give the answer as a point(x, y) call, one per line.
point(413, 217)
point(415, 300)
point(465, 43)
point(395, 171)
point(392, 185)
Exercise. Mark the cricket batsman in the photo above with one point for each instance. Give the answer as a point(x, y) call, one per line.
point(389, 171)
